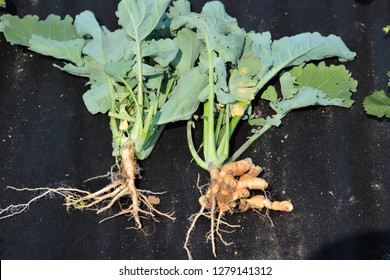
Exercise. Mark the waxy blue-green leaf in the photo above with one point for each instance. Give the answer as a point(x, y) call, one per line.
point(163, 51)
point(67, 50)
point(139, 17)
point(155, 82)
point(294, 50)
point(306, 96)
point(147, 70)
point(179, 7)
point(119, 69)
point(270, 95)
point(288, 85)
point(98, 99)
point(242, 87)
point(74, 70)
point(189, 49)
point(103, 45)
point(184, 101)
point(220, 80)
point(90, 69)
point(243, 79)
point(20, 30)
point(260, 45)
point(97, 75)
point(226, 37)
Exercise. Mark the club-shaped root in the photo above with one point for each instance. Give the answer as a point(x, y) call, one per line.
point(230, 191)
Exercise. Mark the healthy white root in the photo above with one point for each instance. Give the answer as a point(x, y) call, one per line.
point(13, 210)
point(122, 186)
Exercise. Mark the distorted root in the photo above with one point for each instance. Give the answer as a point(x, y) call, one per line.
point(231, 190)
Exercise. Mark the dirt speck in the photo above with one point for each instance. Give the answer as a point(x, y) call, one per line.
point(377, 187)
point(34, 2)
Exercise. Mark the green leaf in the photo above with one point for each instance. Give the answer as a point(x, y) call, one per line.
point(204, 94)
point(179, 7)
point(260, 45)
point(154, 82)
point(68, 50)
point(388, 75)
point(377, 104)
point(256, 122)
point(287, 85)
point(243, 80)
point(242, 87)
point(306, 96)
point(226, 38)
point(119, 69)
point(3, 4)
point(270, 94)
point(139, 17)
point(163, 51)
point(311, 84)
point(334, 81)
point(220, 79)
point(98, 99)
point(189, 49)
point(274, 121)
point(386, 29)
point(184, 101)
point(96, 70)
point(147, 70)
point(74, 70)
point(104, 46)
point(20, 30)
point(90, 69)
point(216, 10)
point(249, 64)
point(294, 50)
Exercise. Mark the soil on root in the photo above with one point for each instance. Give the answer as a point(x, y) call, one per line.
point(230, 190)
point(122, 186)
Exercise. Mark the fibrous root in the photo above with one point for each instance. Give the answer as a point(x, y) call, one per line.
point(122, 186)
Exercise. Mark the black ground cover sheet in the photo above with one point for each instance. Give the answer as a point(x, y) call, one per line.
point(333, 163)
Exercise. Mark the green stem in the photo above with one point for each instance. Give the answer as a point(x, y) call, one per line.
point(113, 123)
point(274, 71)
point(223, 149)
point(249, 142)
point(171, 80)
point(232, 126)
point(233, 123)
point(219, 124)
point(191, 146)
point(210, 151)
point(116, 134)
point(137, 130)
point(149, 145)
point(132, 95)
point(254, 137)
point(148, 120)
point(121, 117)
point(139, 74)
